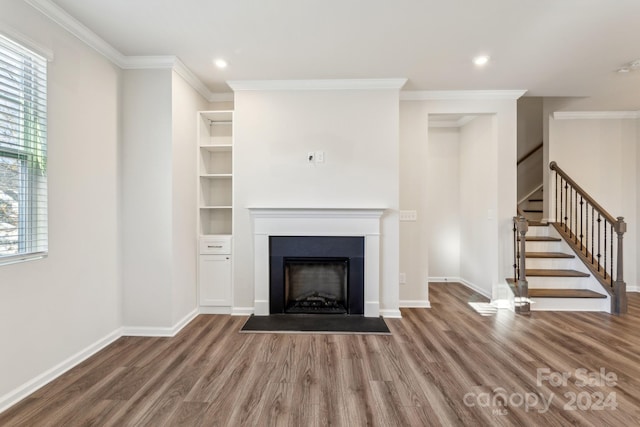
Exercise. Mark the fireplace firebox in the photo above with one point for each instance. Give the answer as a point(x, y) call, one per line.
point(316, 274)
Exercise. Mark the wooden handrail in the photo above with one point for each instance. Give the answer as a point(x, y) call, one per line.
point(554, 166)
point(573, 217)
point(530, 153)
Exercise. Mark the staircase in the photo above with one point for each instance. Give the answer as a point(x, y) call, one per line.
point(567, 265)
point(557, 280)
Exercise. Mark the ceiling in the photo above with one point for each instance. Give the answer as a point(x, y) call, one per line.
point(549, 47)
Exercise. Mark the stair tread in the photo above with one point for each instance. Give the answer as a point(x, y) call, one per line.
point(540, 239)
point(564, 293)
point(532, 210)
point(543, 272)
point(534, 200)
point(548, 255)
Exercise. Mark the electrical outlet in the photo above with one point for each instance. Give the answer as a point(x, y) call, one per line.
point(403, 278)
point(320, 156)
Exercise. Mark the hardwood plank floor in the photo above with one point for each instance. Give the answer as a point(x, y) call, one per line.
point(451, 365)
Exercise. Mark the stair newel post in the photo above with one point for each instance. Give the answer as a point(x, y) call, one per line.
point(523, 306)
point(619, 286)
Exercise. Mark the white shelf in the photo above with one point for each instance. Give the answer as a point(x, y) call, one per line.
point(217, 148)
point(215, 172)
point(216, 175)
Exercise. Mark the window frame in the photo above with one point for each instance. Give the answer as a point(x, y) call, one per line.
point(33, 176)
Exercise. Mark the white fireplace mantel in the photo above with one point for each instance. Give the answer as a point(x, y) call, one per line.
point(271, 221)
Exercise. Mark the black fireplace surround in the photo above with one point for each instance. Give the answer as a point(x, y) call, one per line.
point(288, 252)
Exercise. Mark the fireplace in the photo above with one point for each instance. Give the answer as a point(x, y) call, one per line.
point(316, 274)
point(362, 223)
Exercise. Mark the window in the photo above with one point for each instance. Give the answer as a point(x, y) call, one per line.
point(23, 153)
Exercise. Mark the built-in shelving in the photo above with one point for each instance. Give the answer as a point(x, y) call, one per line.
point(215, 172)
point(215, 210)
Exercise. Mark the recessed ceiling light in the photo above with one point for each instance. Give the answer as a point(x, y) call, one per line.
point(481, 60)
point(220, 63)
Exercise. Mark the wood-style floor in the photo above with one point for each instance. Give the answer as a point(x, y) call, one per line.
point(447, 365)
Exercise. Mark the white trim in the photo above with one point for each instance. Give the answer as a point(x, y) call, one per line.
point(415, 304)
point(462, 281)
point(16, 36)
point(242, 311)
point(426, 95)
point(91, 39)
point(531, 193)
point(221, 97)
point(46, 377)
point(331, 84)
point(391, 314)
point(151, 331)
point(452, 123)
point(633, 288)
point(475, 288)
point(214, 310)
point(595, 115)
point(75, 27)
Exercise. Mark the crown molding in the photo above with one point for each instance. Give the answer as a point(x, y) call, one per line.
point(452, 123)
point(91, 39)
point(595, 115)
point(429, 95)
point(221, 97)
point(330, 84)
point(72, 25)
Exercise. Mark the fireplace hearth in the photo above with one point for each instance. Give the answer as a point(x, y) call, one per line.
point(316, 275)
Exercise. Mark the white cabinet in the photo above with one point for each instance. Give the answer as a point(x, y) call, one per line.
point(214, 276)
point(215, 207)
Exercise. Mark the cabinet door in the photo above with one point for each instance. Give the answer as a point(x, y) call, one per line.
point(215, 280)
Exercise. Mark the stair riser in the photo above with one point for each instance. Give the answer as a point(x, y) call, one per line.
point(571, 304)
point(558, 282)
point(553, 264)
point(538, 231)
point(546, 247)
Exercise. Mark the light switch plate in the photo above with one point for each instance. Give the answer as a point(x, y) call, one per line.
point(408, 215)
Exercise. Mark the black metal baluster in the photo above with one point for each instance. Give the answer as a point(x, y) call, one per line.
point(570, 210)
point(557, 197)
point(566, 204)
point(598, 256)
point(604, 265)
point(575, 209)
point(581, 222)
point(515, 251)
point(561, 213)
point(593, 236)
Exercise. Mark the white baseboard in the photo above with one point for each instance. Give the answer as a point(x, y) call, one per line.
point(392, 314)
point(633, 288)
point(31, 386)
point(214, 310)
point(152, 331)
point(468, 284)
point(242, 311)
point(415, 304)
point(475, 288)
point(531, 193)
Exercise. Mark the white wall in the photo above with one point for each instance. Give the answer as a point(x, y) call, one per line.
point(53, 308)
point(530, 135)
point(444, 202)
point(185, 103)
point(414, 253)
point(358, 132)
point(478, 204)
point(147, 167)
point(495, 174)
point(601, 156)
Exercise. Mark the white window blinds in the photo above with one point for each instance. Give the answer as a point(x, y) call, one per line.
point(23, 153)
